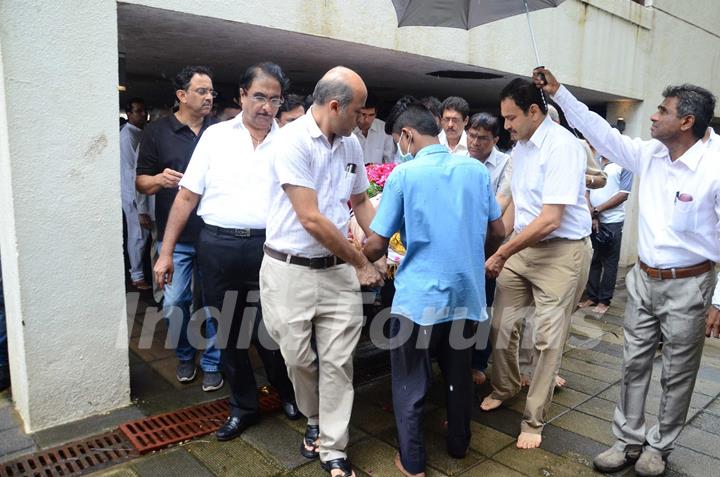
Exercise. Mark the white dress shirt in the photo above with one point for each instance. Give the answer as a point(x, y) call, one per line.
point(618, 180)
point(231, 176)
point(302, 156)
point(377, 147)
point(496, 163)
point(672, 233)
point(549, 168)
point(460, 148)
point(129, 141)
point(713, 141)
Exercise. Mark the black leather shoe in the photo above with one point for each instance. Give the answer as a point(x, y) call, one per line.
point(291, 410)
point(234, 426)
point(340, 464)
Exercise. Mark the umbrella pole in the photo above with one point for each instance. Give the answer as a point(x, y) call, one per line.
point(535, 48)
point(532, 33)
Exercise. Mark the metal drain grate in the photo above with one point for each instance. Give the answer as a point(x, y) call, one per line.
point(72, 459)
point(156, 432)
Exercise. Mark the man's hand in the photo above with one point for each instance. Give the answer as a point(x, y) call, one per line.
point(595, 225)
point(712, 325)
point(545, 80)
point(369, 276)
point(145, 221)
point(495, 264)
point(169, 179)
point(163, 270)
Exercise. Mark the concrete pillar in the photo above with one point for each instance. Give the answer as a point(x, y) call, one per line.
point(60, 215)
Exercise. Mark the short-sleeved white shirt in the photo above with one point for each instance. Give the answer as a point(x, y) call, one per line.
point(549, 168)
point(378, 147)
point(302, 156)
point(231, 176)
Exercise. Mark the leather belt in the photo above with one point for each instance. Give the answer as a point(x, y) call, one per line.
point(243, 233)
point(672, 273)
point(317, 263)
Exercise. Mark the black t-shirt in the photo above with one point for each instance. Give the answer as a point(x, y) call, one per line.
point(167, 143)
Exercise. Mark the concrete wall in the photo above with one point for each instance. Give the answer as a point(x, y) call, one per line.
point(60, 215)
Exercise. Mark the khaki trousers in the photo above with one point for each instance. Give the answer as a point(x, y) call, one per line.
point(676, 310)
point(552, 275)
point(297, 303)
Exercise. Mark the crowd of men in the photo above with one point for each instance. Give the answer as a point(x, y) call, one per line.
point(259, 194)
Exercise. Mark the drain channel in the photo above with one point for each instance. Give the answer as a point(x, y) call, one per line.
point(72, 459)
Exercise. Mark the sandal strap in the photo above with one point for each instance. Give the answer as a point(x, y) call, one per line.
point(341, 464)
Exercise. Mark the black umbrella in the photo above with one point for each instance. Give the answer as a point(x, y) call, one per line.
point(467, 14)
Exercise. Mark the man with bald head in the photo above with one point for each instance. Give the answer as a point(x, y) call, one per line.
point(311, 274)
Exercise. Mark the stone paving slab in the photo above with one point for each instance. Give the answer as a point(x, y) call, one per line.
point(14, 443)
point(540, 463)
point(273, 436)
point(85, 428)
point(234, 458)
point(172, 463)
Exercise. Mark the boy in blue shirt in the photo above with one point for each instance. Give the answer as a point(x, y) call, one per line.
point(445, 209)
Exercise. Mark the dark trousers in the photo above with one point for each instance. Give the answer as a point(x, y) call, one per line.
point(481, 356)
point(230, 263)
point(412, 376)
point(604, 266)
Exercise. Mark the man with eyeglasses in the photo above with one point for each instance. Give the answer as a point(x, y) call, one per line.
point(227, 177)
point(165, 151)
point(482, 136)
point(454, 113)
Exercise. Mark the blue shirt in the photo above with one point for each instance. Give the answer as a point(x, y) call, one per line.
point(441, 204)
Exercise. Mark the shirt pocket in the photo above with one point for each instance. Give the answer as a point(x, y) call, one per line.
point(684, 216)
point(346, 185)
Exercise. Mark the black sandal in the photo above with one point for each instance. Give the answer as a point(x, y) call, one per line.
point(312, 433)
point(342, 464)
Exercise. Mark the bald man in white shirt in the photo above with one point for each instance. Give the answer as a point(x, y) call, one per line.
point(670, 290)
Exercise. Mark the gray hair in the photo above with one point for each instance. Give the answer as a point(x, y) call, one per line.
point(693, 101)
point(328, 89)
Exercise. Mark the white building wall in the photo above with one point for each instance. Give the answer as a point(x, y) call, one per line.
point(60, 215)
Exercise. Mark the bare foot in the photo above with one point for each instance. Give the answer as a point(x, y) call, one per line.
point(479, 377)
point(600, 309)
point(340, 473)
point(398, 464)
point(560, 381)
point(527, 440)
point(586, 304)
point(490, 404)
point(525, 380)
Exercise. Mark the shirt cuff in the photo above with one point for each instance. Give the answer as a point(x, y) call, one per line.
point(716, 295)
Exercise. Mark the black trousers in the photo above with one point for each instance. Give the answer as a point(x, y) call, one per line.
point(412, 376)
point(604, 266)
point(232, 264)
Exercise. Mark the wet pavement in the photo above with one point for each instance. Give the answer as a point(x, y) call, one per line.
point(579, 427)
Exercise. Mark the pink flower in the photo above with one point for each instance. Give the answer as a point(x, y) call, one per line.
point(378, 173)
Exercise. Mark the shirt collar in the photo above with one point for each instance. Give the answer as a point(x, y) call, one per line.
point(237, 123)
point(541, 132)
point(432, 149)
point(132, 127)
point(176, 125)
point(692, 156)
point(493, 157)
point(314, 129)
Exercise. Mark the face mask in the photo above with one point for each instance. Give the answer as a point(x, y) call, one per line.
point(404, 157)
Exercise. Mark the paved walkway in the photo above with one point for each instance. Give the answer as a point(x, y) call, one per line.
point(579, 427)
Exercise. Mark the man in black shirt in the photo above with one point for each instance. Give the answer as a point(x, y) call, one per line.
point(165, 152)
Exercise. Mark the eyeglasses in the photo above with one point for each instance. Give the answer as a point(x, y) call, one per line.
point(451, 120)
point(205, 91)
point(476, 137)
point(263, 100)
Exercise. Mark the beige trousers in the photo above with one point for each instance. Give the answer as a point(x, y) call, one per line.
point(552, 275)
point(298, 302)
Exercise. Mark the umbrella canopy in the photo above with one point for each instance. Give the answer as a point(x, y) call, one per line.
point(463, 14)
